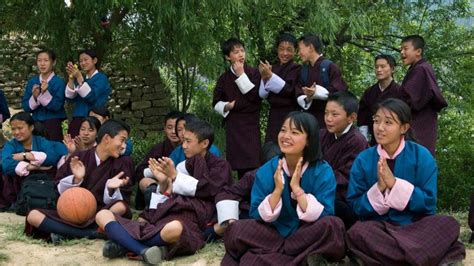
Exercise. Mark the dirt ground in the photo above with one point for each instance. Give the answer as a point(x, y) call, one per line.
point(16, 249)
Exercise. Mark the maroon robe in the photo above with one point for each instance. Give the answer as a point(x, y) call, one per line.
point(340, 153)
point(368, 103)
point(283, 103)
point(336, 83)
point(161, 149)
point(420, 91)
point(195, 213)
point(95, 179)
point(242, 124)
point(239, 191)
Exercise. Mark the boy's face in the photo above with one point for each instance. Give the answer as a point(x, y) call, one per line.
point(383, 70)
point(305, 51)
point(286, 52)
point(409, 53)
point(192, 146)
point(336, 118)
point(237, 54)
point(180, 128)
point(117, 144)
point(170, 130)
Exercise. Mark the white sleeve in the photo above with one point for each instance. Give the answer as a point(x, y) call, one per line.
point(244, 83)
point(302, 102)
point(219, 108)
point(67, 183)
point(275, 84)
point(364, 130)
point(262, 91)
point(185, 185)
point(227, 210)
point(117, 195)
point(321, 93)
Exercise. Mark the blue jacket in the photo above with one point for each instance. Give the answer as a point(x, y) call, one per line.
point(100, 91)
point(55, 108)
point(3, 108)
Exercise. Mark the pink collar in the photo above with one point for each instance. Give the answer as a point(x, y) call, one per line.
point(384, 154)
point(287, 171)
point(49, 77)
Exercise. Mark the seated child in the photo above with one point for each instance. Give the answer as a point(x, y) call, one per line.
point(180, 209)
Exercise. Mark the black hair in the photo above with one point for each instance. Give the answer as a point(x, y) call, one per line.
point(402, 111)
point(202, 129)
point(286, 37)
point(92, 121)
point(269, 150)
point(89, 52)
point(51, 54)
point(172, 115)
point(228, 45)
point(187, 117)
point(346, 99)
point(38, 127)
point(314, 40)
point(307, 123)
point(390, 60)
point(111, 127)
point(101, 110)
point(416, 40)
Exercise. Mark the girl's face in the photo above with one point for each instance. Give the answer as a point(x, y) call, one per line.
point(286, 52)
point(21, 130)
point(387, 127)
point(87, 133)
point(170, 133)
point(383, 70)
point(99, 117)
point(180, 130)
point(291, 140)
point(87, 62)
point(305, 51)
point(236, 55)
point(44, 63)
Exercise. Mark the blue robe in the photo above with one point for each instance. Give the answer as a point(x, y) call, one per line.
point(129, 148)
point(318, 180)
point(3, 108)
point(414, 164)
point(177, 155)
point(55, 108)
point(54, 151)
point(98, 97)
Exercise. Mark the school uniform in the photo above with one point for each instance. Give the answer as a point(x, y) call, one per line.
point(336, 83)
point(199, 179)
point(94, 92)
point(48, 108)
point(242, 124)
point(402, 222)
point(340, 152)
point(368, 104)
point(95, 180)
point(287, 235)
point(420, 91)
point(280, 93)
point(177, 155)
point(46, 152)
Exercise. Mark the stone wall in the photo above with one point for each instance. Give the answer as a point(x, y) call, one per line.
point(139, 101)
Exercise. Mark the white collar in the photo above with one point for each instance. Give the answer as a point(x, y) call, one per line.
point(49, 77)
point(344, 132)
point(95, 72)
point(97, 159)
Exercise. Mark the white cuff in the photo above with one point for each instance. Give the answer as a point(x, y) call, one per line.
point(321, 93)
point(275, 84)
point(219, 108)
point(148, 173)
point(262, 91)
point(226, 210)
point(84, 90)
point(157, 198)
point(66, 183)
point(244, 83)
point(364, 130)
point(185, 185)
point(302, 102)
point(117, 195)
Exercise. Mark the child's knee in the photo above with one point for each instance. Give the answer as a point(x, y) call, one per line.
point(119, 208)
point(35, 218)
point(172, 231)
point(103, 217)
point(145, 182)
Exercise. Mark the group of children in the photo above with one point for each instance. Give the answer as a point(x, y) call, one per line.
point(316, 190)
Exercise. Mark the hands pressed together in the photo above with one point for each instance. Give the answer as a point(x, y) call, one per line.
point(385, 175)
point(165, 173)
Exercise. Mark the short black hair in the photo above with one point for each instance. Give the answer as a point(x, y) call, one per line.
point(390, 59)
point(307, 123)
point(101, 110)
point(286, 37)
point(346, 99)
point(402, 111)
point(172, 115)
point(92, 121)
point(38, 127)
point(416, 40)
point(90, 52)
point(112, 127)
point(228, 45)
point(314, 40)
point(51, 54)
point(202, 129)
point(187, 117)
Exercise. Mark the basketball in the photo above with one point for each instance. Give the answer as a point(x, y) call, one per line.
point(76, 205)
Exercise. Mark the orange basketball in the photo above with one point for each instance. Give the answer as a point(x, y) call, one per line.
point(76, 205)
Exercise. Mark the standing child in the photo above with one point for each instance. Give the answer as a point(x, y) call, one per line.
point(392, 188)
point(292, 201)
point(103, 172)
point(278, 84)
point(318, 78)
point(236, 99)
point(420, 91)
point(341, 142)
point(86, 93)
point(181, 208)
point(4, 115)
point(44, 95)
point(385, 88)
